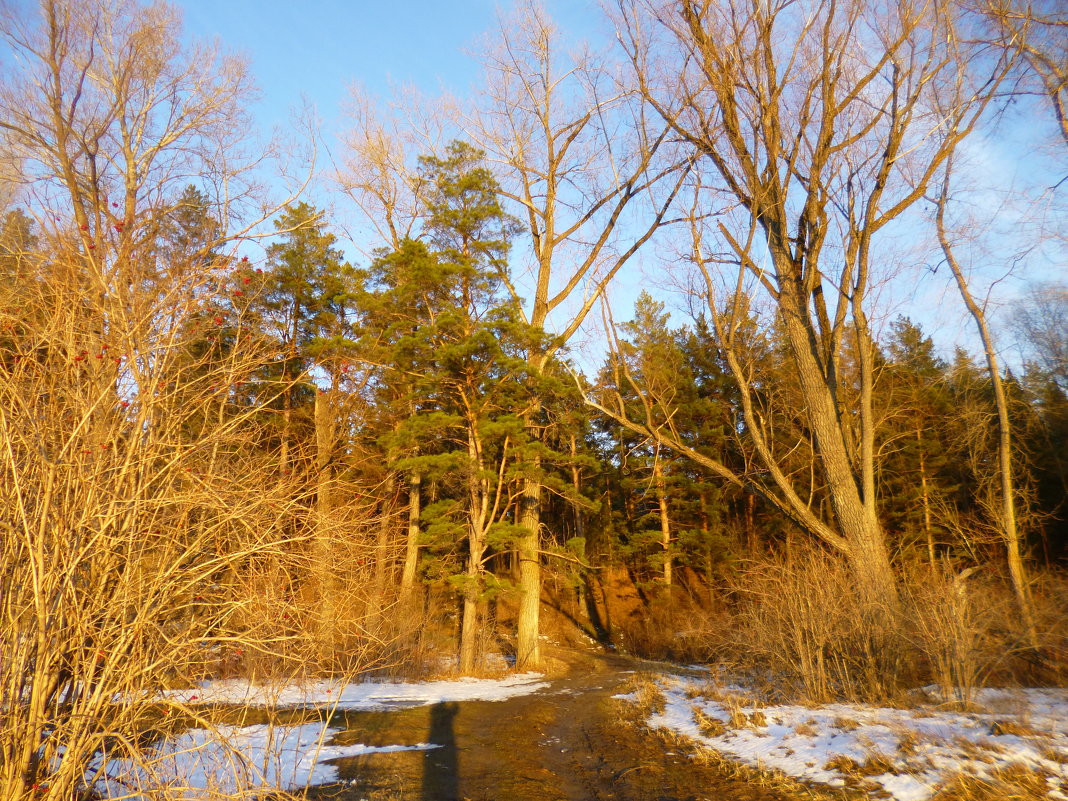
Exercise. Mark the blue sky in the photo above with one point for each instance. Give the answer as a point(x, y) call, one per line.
point(316, 49)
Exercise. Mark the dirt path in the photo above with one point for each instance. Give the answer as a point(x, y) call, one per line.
point(564, 743)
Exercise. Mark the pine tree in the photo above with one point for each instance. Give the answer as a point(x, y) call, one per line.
point(448, 339)
point(301, 300)
point(914, 480)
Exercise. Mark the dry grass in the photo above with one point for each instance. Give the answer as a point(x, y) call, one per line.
point(708, 725)
point(907, 740)
point(773, 781)
point(648, 699)
point(1016, 727)
point(1013, 783)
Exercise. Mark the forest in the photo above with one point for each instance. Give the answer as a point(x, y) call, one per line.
point(237, 440)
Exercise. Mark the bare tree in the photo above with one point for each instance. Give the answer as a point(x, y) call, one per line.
point(574, 158)
point(379, 170)
point(1042, 329)
point(1005, 512)
point(136, 544)
point(818, 125)
point(1037, 31)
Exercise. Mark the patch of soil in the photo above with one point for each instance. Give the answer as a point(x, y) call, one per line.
point(569, 742)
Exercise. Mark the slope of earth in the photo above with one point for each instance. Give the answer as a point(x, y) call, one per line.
point(568, 742)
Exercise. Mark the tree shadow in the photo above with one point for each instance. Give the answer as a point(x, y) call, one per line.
point(441, 766)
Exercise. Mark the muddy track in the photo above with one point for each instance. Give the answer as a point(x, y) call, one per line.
point(568, 742)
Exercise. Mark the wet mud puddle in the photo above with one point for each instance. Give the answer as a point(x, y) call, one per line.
point(569, 742)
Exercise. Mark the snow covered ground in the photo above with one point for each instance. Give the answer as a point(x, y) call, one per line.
point(905, 754)
point(363, 696)
point(235, 762)
point(230, 761)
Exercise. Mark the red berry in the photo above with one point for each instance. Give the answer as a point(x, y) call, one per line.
point(218, 320)
point(238, 293)
point(246, 280)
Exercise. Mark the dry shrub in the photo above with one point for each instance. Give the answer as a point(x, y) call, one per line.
point(150, 538)
point(966, 629)
point(413, 639)
point(798, 629)
point(952, 625)
point(1049, 593)
point(800, 620)
point(136, 511)
point(672, 628)
point(141, 498)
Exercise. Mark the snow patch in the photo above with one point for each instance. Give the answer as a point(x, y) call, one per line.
point(907, 754)
point(241, 762)
point(363, 696)
point(231, 761)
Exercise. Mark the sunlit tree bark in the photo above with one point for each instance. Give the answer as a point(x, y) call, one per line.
point(815, 125)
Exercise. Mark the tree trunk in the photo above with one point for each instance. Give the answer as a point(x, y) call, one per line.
point(855, 516)
point(1007, 517)
point(411, 550)
point(576, 485)
point(665, 521)
point(382, 545)
point(325, 436)
point(469, 624)
point(925, 498)
point(528, 652)
point(528, 549)
point(478, 520)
